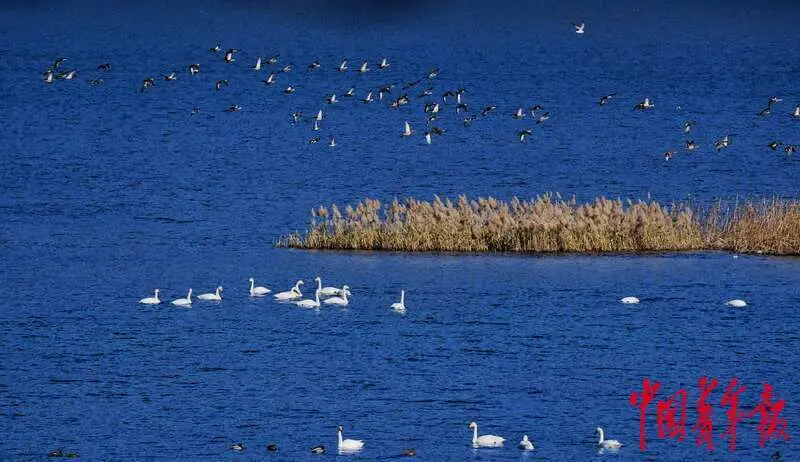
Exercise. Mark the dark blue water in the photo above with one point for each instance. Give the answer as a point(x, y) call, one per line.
point(109, 192)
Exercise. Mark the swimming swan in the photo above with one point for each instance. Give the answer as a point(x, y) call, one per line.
point(736, 303)
point(526, 444)
point(349, 445)
point(312, 303)
point(291, 294)
point(213, 297)
point(154, 300)
point(184, 301)
point(339, 300)
point(607, 444)
point(484, 441)
point(328, 291)
point(259, 291)
point(629, 300)
point(401, 305)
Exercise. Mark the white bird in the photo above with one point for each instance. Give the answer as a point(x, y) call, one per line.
point(339, 300)
point(427, 137)
point(363, 68)
point(736, 303)
point(291, 294)
point(320, 116)
point(484, 441)
point(257, 67)
point(307, 303)
point(401, 305)
point(348, 444)
point(328, 291)
point(343, 66)
point(607, 444)
point(796, 113)
point(184, 301)
point(629, 300)
point(259, 291)
point(580, 28)
point(154, 300)
point(526, 444)
point(214, 297)
point(407, 131)
point(383, 64)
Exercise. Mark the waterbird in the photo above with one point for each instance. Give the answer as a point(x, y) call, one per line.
point(95, 81)
point(607, 444)
point(407, 130)
point(433, 73)
point(644, 105)
point(383, 64)
point(341, 301)
point(432, 108)
point(307, 303)
point(233, 108)
point(489, 108)
point(401, 305)
point(629, 300)
point(484, 441)
point(58, 62)
point(258, 291)
point(363, 69)
point(348, 444)
point(220, 83)
point(104, 67)
point(320, 116)
point(533, 109)
point(350, 92)
point(410, 452)
point(468, 120)
point(194, 69)
point(184, 301)
point(147, 83)
point(272, 447)
point(331, 99)
point(215, 49)
point(401, 100)
point(796, 113)
point(526, 444)
point(67, 75)
point(318, 449)
point(291, 294)
point(523, 133)
point(314, 140)
point(773, 100)
point(216, 296)
point(431, 118)
point(343, 65)
point(668, 155)
point(273, 59)
point(722, 143)
point(287, 68)
point(774, 145)
point(229, 55)
point(154, 300)
point(580, 28)
point(270, 80)
point(411, 84)
point(427, 136)
point(290, 89)
point(790, 149)
point(605, 99)
point(691, 145)
point(461, 107)
point(426, 92)
point(296, 117)
point(195, 111)
point(49, 76)
point(171, 76)
point(368, 99)
point(688, 125)
point(316, 126)
point(736, 303)
point(257, 67)
point(520, 114)
point(542, 118)
point(237, 447)
point(332, 141)
point(313, 66)
point(766, 111)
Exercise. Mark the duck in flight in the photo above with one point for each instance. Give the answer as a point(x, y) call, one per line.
point(605, 99)
point(722, 143)
point(523, 133)
point(194, 69)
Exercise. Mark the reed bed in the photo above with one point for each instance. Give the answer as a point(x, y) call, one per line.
point(549, 223)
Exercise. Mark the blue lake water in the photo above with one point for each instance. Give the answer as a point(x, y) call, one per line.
point(109, 192)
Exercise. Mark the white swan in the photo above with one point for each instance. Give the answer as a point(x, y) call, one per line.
point(736, 303)
point(526, 444)
point(214, 297)
point(312, 303)
point(184, 301)
point(629, 300)
point(154, 300)
point(259, 291)
point(348, 444)
point(401, 305)
point(339, 300)
point(607, 444)
point(484, 441)
point(291, 294)
point(328, 291)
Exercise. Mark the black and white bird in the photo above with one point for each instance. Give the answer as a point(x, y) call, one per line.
point(296, 116)
point(350, 92)
point(580, 28)
point(489, 108)
point(468, 120)
point(147, 83)
point(216, 48)
point(194, 69)
point(234, 108)
point(774, 145)
point(319, 116)
point(363, 69)
point(407, 129)
point(796, 113)
point(287, 68)
point(427, 136)
point(332, 141)
point(426, 92)
point(229, 55)
point(542, 118)
point(644, 105)
point(343, 66)
point(368, 99)
point(461, 107)
point(766, 111)
point(49, 76)
point(524, 133)
point(318, 449)
point(273, 59)
point(691, 145)
point(171, 76)
point(520, 114)
point(411, 84)
point(290, 89)
point(104, 67)
point(270, 80)
point(433, 73)
point(722, 143)
point(688, 125)
point(237, 447)
point(313, 66)
point(257, 66)
point(606, 98)
point(314, 140)
point(332, 99)
point(383, 64)
point(220, 83)
point(668, 155)
point(790, 149)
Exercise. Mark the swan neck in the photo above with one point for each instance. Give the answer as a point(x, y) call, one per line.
point(475, 433)
point(252, 284)
point(340, 437)
point(602, 436)
point(403, 301)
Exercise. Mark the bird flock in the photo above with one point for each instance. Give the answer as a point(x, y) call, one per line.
point(418, 91)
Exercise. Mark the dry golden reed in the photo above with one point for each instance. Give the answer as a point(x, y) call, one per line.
point(549, 223)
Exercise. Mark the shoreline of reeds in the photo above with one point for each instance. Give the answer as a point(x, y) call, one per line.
point(549, 224)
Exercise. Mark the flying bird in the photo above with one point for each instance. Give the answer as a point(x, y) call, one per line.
point(605, 99)
point(580, 28)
